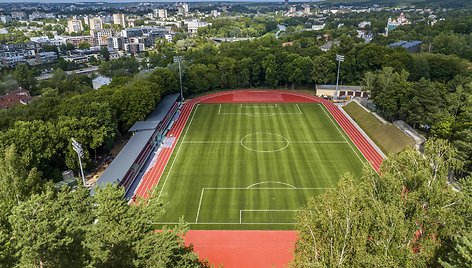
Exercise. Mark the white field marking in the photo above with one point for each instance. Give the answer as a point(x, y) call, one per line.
point(340, 132)
point(177, 154)
point(251, 189)
point(237, 142)
point(261, 113)
point(259, 106)
point(199, 205)
point(256, 210)
point(285, 140)
point(262, 210)
point(267, 188)
point(272, 182)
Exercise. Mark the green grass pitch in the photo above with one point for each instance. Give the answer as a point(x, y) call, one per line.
point(252, 166)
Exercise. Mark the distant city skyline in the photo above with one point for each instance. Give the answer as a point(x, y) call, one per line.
point(138, 1)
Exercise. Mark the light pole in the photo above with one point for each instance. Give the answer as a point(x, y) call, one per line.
point(80, 153)
point(178, 59)
point(339, 58)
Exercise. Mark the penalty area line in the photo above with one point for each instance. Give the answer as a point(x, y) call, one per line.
point(199, 205)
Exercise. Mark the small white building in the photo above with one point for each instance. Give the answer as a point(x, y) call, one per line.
point(100, 81)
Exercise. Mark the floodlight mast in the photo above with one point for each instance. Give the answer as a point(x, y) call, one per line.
point(178, 59)
point(339, 58)
point(80, 153)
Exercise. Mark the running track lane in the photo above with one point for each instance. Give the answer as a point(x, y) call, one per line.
point(246, 248)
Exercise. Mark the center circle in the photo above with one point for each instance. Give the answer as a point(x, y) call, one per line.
point(264, 142)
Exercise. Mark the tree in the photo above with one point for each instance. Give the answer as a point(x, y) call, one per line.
point(461, 256)
point(124, 235)
point(270, 69)
point(389, 90)
point(324, 70)
point(401, 218)
point(133, 102)
point(450, 43)
point(84, 45)
point(121, 67)
point(165, 81)
point(105, 53)
point(228, 76)
point(25, 77)
point(16, 185)
point(48, 229)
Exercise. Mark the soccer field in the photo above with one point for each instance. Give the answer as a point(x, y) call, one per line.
point(252, 166)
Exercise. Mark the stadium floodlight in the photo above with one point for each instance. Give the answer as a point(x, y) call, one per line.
point(339, 58)
point(179, 59)
point(80, 153)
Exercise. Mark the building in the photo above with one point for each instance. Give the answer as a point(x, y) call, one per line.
point(117, 43)
point(364, 24)
point(18, 15)
point(367, 36)
point(95, 24)
point(392, 24)
point(76, 40)
point(292, 9)
point(214, 13)
point(134, 46)
point(126, 169)
point(78, 59)
point(182, 9)
point(12, 61)
point(74, 26)
point(5, 18)
point(410, 46)
point(318, 27)
point(119, 19)
point(102, 36)
point(306, 9)
point(193, 25)
point(100, 81)
point(44, 40)
point(328, 45)
point(41, 15)
point(16, 97)
point(349, 91)
point(160, 13)
point(45, 58)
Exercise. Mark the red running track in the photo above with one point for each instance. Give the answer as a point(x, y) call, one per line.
point(246, 248)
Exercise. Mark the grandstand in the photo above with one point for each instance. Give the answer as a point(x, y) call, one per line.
point(147, 135)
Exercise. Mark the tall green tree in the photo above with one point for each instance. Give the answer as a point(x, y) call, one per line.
point(25, 77)
point(324, 70)
point(400, 218)
point(270, 69)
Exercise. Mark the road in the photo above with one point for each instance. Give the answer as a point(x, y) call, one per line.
point(80, 71)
